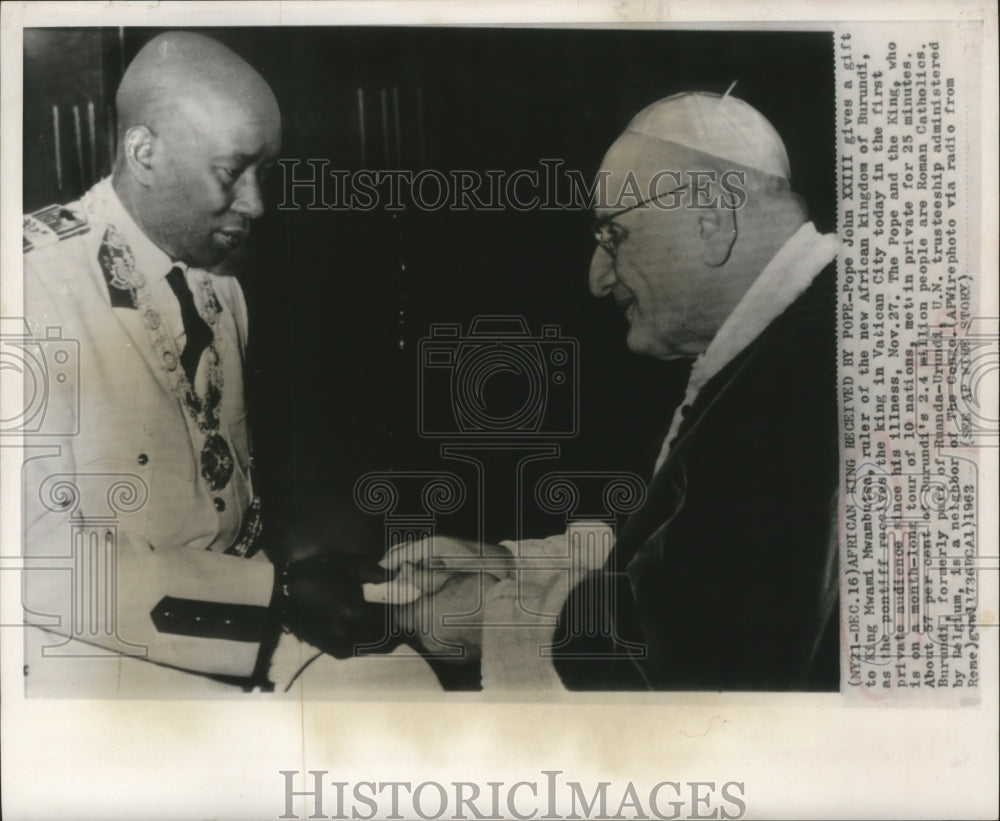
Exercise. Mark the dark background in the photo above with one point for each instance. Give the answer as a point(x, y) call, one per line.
point(336, 320)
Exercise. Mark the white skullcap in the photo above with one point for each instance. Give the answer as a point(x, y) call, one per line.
point(720, 125)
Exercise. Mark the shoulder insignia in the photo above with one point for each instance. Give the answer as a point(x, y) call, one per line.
point(115, 258)
point(51, 225)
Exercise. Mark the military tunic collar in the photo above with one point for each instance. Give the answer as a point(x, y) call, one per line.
point(103, 205)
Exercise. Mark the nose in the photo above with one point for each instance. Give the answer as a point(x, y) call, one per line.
point(249, 200)
point(602, 273)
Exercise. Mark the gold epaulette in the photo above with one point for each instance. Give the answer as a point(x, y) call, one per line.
point(52, 224)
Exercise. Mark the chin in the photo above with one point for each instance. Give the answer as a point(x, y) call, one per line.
point(642, 344)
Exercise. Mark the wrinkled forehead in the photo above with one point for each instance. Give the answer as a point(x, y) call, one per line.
point(637, 168)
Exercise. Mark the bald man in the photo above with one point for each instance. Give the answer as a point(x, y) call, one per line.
point(147, 515)
point(725, 577)
point(197, 130)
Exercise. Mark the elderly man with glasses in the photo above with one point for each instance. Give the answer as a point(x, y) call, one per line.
point(725, 578)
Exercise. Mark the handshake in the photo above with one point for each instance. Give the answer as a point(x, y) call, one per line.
point(320, 600)
point(428, 594)
point(436, 594)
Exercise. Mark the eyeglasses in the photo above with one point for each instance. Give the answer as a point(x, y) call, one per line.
point(610, 235)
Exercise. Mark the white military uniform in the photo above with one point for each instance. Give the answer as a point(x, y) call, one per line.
point(125, 475)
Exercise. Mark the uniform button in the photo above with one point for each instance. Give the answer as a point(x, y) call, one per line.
point(685, 410)
point(220, 503)
point(142, 459)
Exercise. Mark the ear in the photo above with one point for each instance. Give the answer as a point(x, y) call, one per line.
point(717, 230)
point(138, 148)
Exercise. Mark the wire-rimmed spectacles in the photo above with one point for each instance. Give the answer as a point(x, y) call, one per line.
point(610, 235)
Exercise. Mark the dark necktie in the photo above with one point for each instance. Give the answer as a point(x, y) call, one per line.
point(198, 334)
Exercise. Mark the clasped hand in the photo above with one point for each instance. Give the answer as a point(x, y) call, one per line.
point(440, 590)
point(431, 591)
point(320, 599)
point(321, 565)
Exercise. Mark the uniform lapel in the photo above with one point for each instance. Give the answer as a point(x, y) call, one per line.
point(129, 318)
